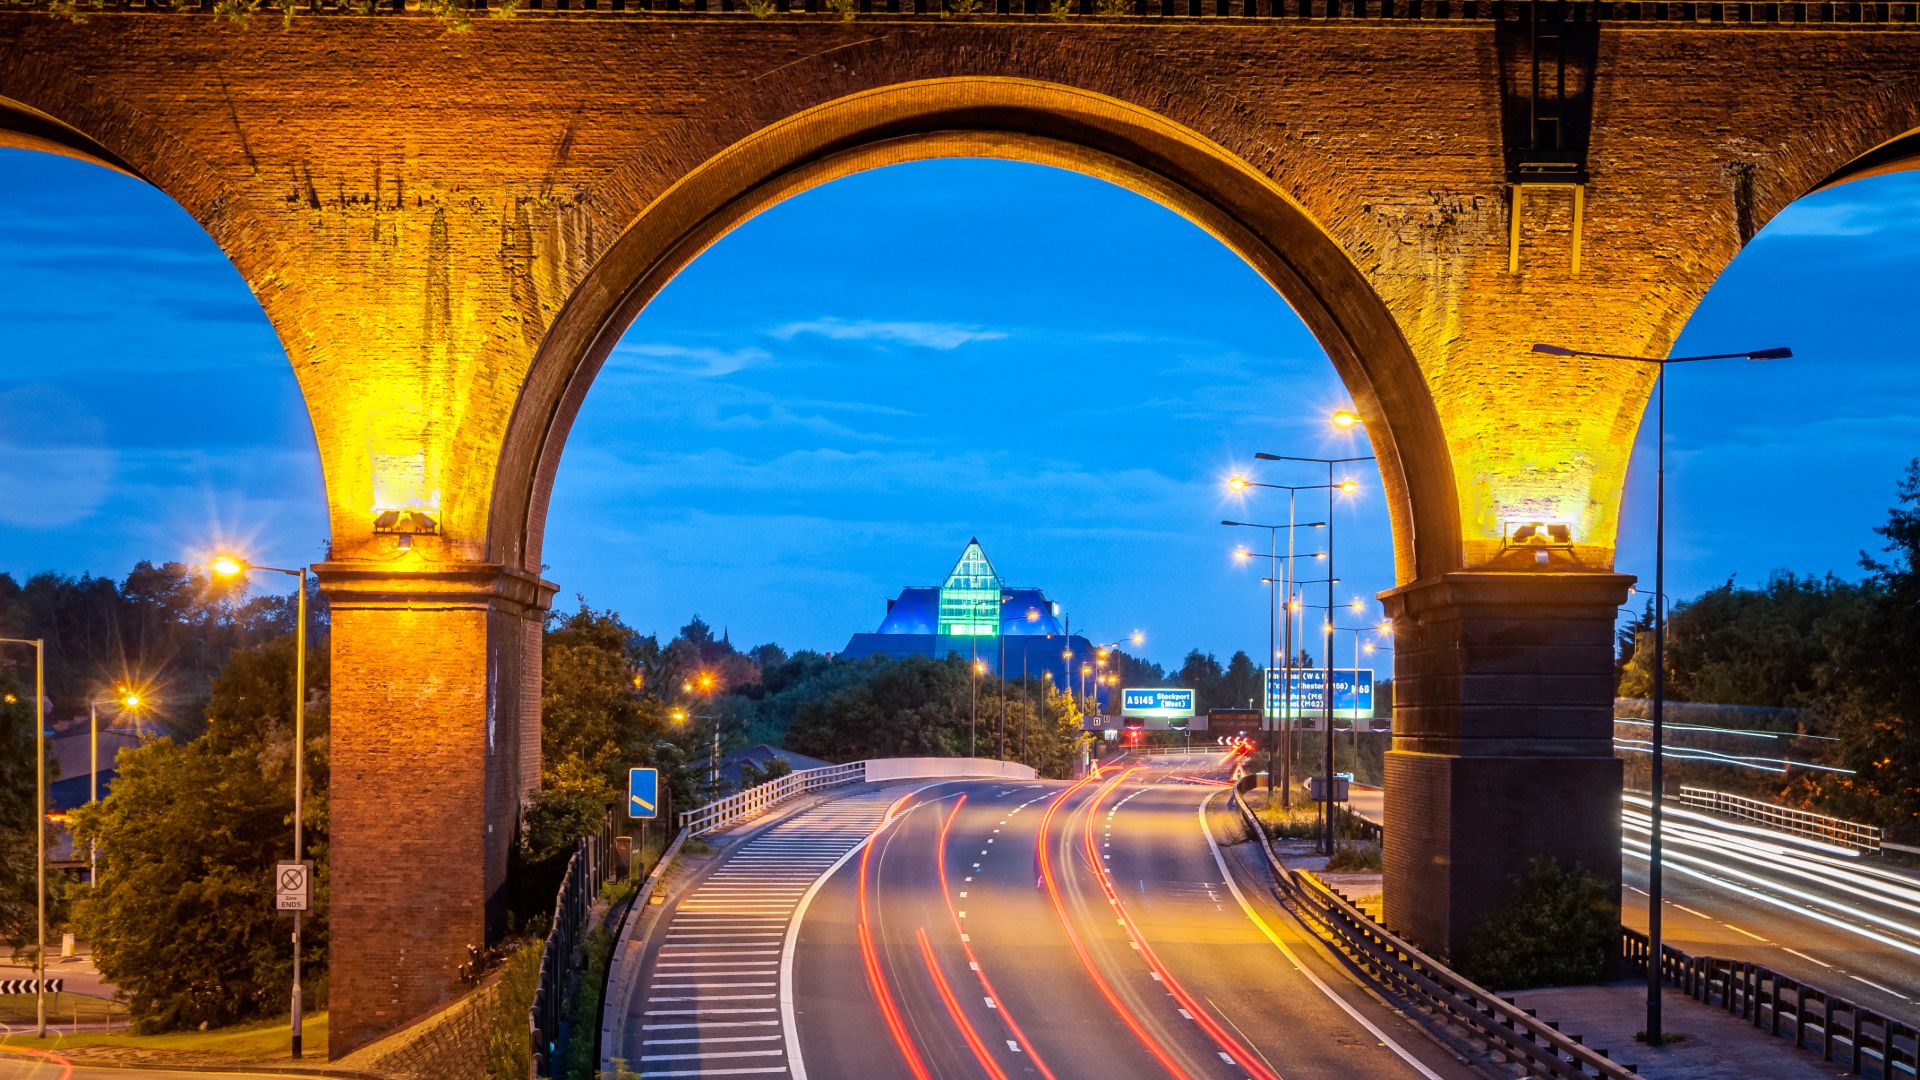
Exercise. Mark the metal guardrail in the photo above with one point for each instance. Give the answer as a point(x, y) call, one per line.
point(1785, 818)
point(587, 869)
point(758, 799)
point(1770, 1000)
point(1537, 1045)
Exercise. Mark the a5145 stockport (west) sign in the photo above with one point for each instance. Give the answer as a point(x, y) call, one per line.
point(1158, 704)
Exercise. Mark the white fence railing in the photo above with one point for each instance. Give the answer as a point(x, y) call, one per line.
point(1785, 818)
point(757, 800)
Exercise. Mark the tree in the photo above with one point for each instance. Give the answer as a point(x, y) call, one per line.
point(1869, 689)
point(1240, 685)
point(18, 890)
point(183, 919)
point(1202, 674)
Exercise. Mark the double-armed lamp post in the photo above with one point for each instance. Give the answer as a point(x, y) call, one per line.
point(126, 699)
point(1656, 780)
point(1346, 487)
point(229, 567)
point(1280, 581)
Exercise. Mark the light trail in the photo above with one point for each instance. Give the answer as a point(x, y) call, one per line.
point(1147, 1041)
point(966, 946)
point(1242, 1057)
point(876, 979)
point(66, 1067)
point(960, 1021)
point(1783, 862)
point(1677, 861)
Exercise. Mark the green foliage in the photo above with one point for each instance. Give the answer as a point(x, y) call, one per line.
point(846, 9)
point(18, 911)
point(183, 918)
point(1558, 926)
point(1113, 9)
point(571, 803)
point(962, 9)
point(760, 9)
point(1356, 856)
point(1735, 646)
point(1059, 9)
point(752, 775)
point(581, 1063)
point(916, 706)
point(509, 1050)
point(620, 1071)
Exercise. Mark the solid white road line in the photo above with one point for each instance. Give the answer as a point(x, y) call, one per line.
point(1227, 875)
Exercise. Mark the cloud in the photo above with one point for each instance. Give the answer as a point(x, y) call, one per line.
point(1827, 216)
point(924, 335)
point(655, 358)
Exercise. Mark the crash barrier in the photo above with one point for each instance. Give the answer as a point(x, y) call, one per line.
point(1783, 1006)
point(1785, 818)
point(1514, 1032)
point(590, 867)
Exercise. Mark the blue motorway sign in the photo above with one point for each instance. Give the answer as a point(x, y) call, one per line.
point(1157, 704)
point(643, 793)
point(1352, 692)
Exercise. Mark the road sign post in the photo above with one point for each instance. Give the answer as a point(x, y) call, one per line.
point(643, 794)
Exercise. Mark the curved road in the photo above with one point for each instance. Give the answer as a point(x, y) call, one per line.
point(1077, 930)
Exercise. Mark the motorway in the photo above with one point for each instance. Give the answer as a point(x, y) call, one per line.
point(1813, 911)
point(25, 1065)
point(1076, 930)
point(1843, 923)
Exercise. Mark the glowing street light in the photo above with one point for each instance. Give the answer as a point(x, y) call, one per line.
point(1657, 779)
point(127, 699)
point(228, 566)
point(1345, 487)
point(1345, 418)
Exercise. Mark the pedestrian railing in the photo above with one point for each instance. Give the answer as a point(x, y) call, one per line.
point(757, 800)
point(589, 867)
point(1514, 1032)
point(1785, 818)
point(1867, 1042)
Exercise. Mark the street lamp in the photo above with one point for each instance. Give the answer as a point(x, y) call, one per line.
point(228, 566)
point(39, 822)
point(973, 715)
point(1656, 778)
point(1273, 615)
point(1345, 487)
point(126, 699)
point(704, 683)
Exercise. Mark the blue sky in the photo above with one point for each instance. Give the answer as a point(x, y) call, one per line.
point(826, 405)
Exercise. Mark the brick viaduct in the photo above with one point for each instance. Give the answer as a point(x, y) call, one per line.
point(450, 229)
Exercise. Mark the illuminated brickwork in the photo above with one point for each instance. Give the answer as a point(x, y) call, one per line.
point(448, 231)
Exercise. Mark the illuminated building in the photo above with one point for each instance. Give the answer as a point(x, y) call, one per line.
point(975, 614)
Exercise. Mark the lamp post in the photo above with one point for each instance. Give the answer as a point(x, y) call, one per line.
point(1273, 597)
point(127, 699)
point(39, 822)
point(1656, 779)
point(229, 567)
point(973, 715)
point(1345, 487)
point(704, 683)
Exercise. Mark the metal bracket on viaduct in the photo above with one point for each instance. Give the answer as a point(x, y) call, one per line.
point(449, 228)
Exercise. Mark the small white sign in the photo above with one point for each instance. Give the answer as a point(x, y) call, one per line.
point(291, 883)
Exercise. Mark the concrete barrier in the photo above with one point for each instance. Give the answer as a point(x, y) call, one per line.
point(928, 768)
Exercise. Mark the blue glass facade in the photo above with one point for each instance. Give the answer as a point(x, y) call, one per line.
point(976, 615)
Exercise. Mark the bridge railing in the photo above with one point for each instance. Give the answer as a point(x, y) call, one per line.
point(1785, 818)
point(590, 866)
point(1863, 1039)
point(758, 800)
point(1515, 1032)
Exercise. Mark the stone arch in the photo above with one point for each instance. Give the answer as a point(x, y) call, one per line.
point(996, 117)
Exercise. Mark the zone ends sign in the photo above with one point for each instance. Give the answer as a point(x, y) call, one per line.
point(1158, 704)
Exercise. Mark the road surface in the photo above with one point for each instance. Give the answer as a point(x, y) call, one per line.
point(1845, 924)
point(18, 1065)
point(1010, 929)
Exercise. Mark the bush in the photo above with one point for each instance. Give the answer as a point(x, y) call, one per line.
point(585, 1010)
point(509, 1046)
point(1359, 856)
point(1559, 926)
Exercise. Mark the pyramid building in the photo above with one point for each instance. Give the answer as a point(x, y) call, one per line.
point(977, 615)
